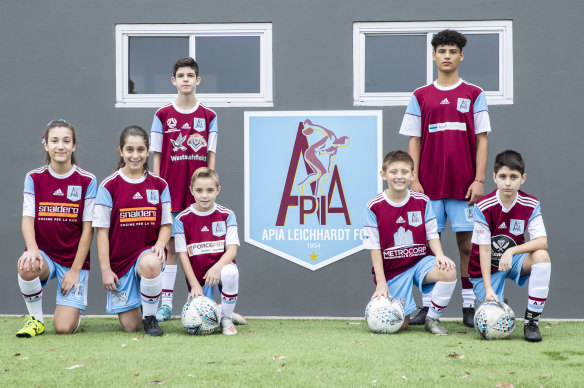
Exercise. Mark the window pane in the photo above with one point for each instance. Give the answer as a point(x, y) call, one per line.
point(150, 63)
point(481, 61)
point(228, 64)
point(394, 63)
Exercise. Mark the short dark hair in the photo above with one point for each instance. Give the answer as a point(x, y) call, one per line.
point(449, 38)
point(510, 159)
point(397, 156)
point(185, 62)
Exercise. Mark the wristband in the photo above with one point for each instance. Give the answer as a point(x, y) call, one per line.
point(476, 180)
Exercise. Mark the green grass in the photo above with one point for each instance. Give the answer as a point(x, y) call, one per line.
point(290, 353)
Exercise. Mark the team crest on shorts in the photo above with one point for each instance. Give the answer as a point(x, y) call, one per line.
point(517, 227)
point(196, 142)
point(463, 105)
point(218, 228)
point(415, 218)
point(74, 193)
point(469, 214)
point(308, 178)
point(120, 297)
point(153, 196)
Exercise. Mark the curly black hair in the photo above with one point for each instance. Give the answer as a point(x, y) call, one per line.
point(449, 38)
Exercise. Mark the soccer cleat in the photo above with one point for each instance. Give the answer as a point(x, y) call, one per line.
point(238, 319)
point(468, 316)
point(164, 313)
point(531, 331)
point(420, 317)
point(227, 326)
point(434, 326)
point(151, 326)
point(31, 328)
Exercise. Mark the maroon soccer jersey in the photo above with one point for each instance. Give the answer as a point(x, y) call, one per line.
point(503, 228)
point(402, 230)
point(182, 138)
point(206, 236)
point(447, 120)
point(60, 202)
point(133, 210)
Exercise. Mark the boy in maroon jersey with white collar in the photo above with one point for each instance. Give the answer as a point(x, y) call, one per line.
point(206, 241)
point(499, 248)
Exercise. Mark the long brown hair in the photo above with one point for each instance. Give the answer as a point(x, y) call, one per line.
point(133, 130)
point(56, 124)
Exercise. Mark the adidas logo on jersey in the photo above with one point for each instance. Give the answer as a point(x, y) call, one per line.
point(205, 229)
point(445, 101)
point(137, 196)
point(503, 225)
point(186, 126)
point(400, 220)
point(58, 192)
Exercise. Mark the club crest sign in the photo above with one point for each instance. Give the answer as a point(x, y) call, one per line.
point(308, 176)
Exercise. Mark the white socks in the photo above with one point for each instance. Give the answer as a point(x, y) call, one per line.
point(150, 290)
point(168, 279)
point(229, 289)
point(539, 282)
point(440, 298)
point(32, 291)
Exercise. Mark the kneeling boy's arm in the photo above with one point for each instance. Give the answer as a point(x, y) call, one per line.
point(229, 255)
point(377, 261)
point(188, 270)
point(156, 163)
point(485, 259)
point(538, 243)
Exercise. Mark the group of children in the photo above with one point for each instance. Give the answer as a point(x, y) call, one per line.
point(442, 176)
point(132, 211)
point(144, 219)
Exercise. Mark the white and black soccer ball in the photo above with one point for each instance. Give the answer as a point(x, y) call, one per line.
point(384, 315)
point(494, 320)
point(200, 316)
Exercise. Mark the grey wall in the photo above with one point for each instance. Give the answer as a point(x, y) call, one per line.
point(57, 61)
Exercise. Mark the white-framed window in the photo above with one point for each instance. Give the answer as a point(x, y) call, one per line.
point(235, 63)
point(392, 59)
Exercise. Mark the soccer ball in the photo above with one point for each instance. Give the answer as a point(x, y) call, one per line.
point(200, 316)
point(494, 320)
point(384, 315)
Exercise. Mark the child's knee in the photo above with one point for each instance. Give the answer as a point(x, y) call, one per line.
point(65, 327)
point(229, 274)
point(29, 275)
point(150, 265)
point(541, 256)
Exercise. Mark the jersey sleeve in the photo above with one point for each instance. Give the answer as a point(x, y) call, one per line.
point(28, 197)
point(535, 226)
point(431, 223)
point(212, 145)
point(412, 121)
point(156, 135)
point(102, 209)
point(178, 228)
point(371, 231)
point(90, 195)
point(166, 217)
point(232, 237)
point(481, 115)
point(481, 234)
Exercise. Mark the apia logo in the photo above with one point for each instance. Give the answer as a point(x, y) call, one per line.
point(196, 142)
point(463, 105)
point(171, 123)
point(74, 193)
point(322, 179)
point(199, 125)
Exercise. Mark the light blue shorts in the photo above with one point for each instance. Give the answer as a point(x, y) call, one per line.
point(401, 286)
point(77, 298)
point(457, 211)
point(498, 279)
point(128, 295)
